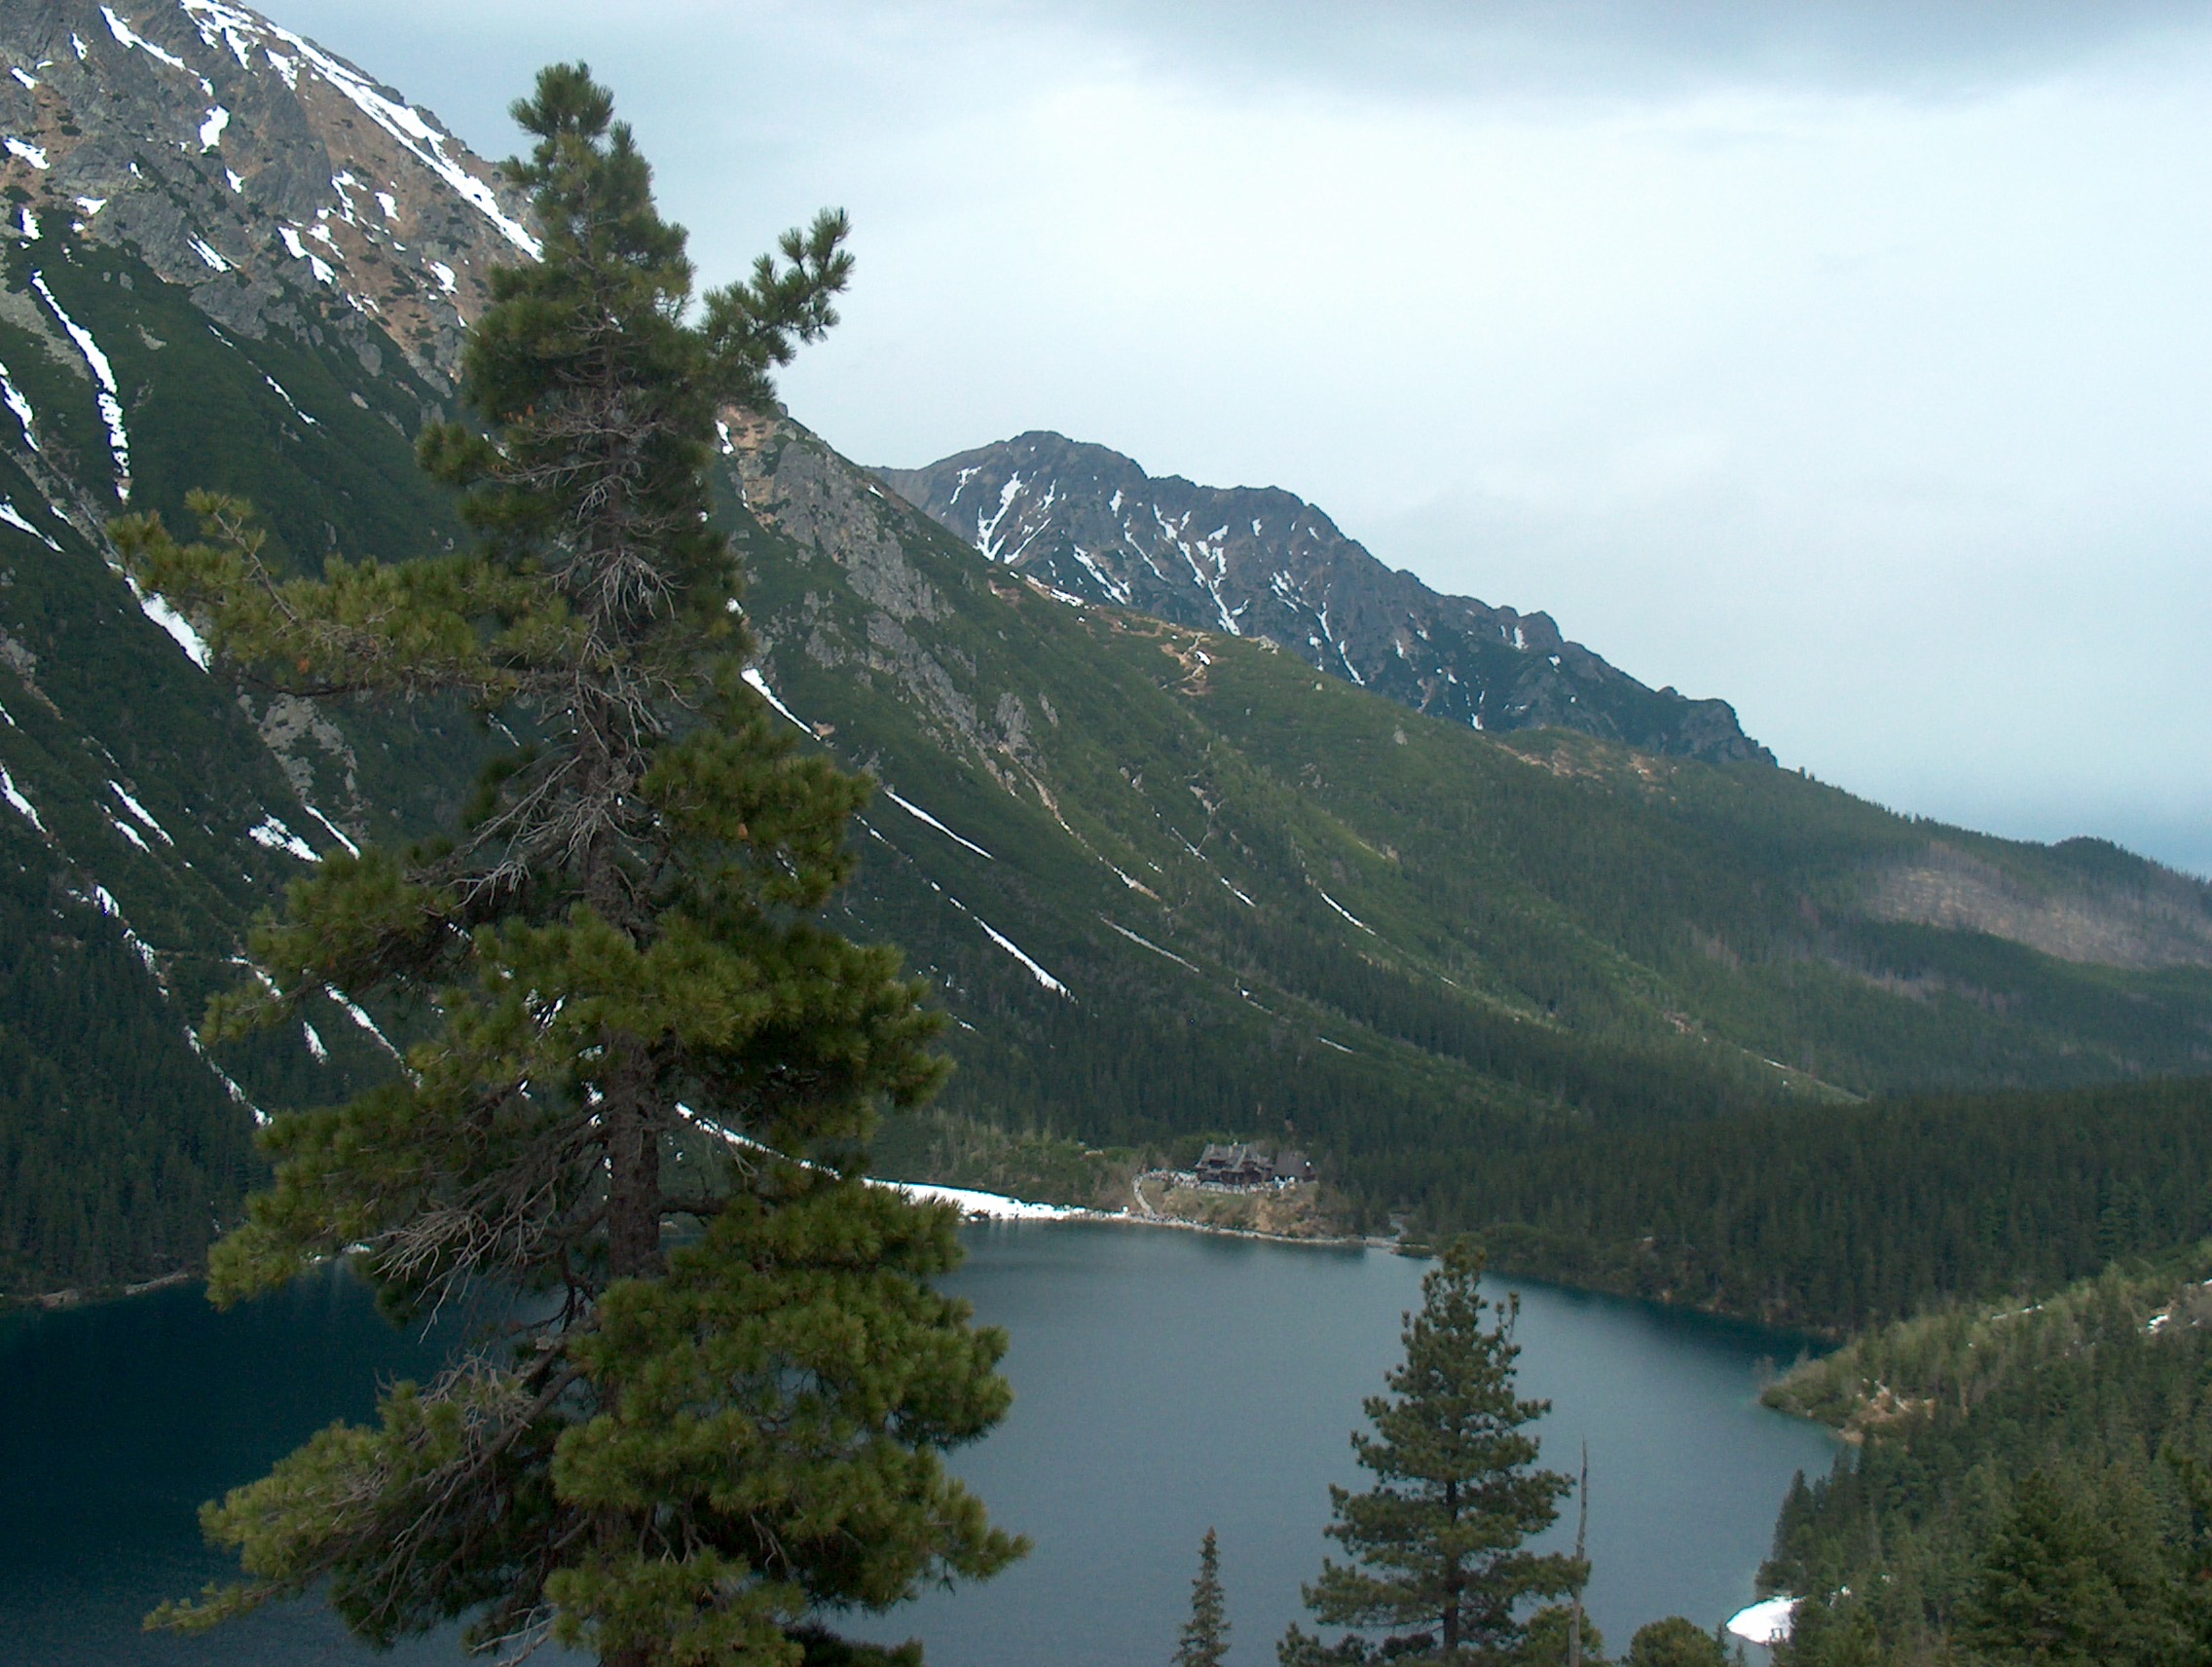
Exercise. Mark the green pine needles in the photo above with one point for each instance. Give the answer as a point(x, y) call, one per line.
point(712, 1412)
point(1204, 1641)
point(1436, 1545)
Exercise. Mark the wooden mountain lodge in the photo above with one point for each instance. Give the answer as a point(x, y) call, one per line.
point(1242, 1166)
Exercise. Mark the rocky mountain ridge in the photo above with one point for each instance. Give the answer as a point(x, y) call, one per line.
point(1260, 562)
point(272, 181)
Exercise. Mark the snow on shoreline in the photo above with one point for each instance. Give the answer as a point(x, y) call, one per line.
point(986, 1207)
point(1766, 1621)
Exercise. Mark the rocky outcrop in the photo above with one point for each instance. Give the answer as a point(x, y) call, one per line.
point(1258, 561)
point(274, 180)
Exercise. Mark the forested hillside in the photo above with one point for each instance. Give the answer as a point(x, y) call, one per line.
point(1835, 1219)
point(2031, 1476)
point(1165, 882)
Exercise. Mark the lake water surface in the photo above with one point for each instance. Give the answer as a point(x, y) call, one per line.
point(1165, 1382)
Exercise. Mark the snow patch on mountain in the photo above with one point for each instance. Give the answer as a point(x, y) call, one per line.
point(14, 517)
point(920, 815)
point(1146, 942)
point(135, 42)
point(359, 1015)
point(270, 834)
point(422, 140)
point(288, 399)
point(24, 808)
point(332, 829)
point(138, 810)
point(1345, 912)
point(157, 609)
point(1028, 961)
point(759, 686)
point(109, 397)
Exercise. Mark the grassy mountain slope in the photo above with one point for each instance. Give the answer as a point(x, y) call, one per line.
point(160, 810)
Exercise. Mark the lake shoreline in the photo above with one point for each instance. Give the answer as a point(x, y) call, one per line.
point(976, 1206)
point(89, 1296)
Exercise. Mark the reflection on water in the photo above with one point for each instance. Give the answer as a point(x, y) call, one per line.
point(1166, 1383)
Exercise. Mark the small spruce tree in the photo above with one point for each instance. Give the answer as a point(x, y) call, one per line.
point(1206, 1635)
point(1437, 1544)
point(711, 1411)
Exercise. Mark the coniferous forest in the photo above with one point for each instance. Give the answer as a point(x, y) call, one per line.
point(1835, 1219)
point(2030, 1481)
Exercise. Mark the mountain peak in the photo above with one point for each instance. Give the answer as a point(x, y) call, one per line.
point(1089, 523)
point(274, 180)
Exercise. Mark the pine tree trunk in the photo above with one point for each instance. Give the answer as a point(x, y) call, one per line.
point(634, 1201)
point(1452, 1579)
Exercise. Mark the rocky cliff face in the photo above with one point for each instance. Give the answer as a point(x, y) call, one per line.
point(274, 181)
point(1258, 561)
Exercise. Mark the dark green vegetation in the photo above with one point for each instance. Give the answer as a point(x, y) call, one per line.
point(120, 1149)
point(1435, 1554)
point(1557, 939)
point(1832, 1218)
point(1048, 1168)
point(706, 1410)
point(117, 1140)
point(1676, 1642)
point(2032, 1482)
point(1204, 1641)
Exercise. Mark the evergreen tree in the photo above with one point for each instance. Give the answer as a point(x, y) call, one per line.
point(645, 1068)
point(1551, 1639)
point(1437, 1543)
point(1206, 1635)
point(2064, 1583)
point(1676, 1642)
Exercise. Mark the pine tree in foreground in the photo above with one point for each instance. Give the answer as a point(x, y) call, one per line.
point(719, 1419)
point(1436, 1544)
point(1206, 1635)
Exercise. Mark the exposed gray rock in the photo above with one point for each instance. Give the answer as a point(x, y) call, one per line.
point(279, 183)
point(1258, 561)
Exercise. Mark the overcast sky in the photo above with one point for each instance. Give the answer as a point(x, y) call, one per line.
point(1850, 363)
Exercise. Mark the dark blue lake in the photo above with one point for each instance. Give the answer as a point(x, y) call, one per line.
point(1166, 1383)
